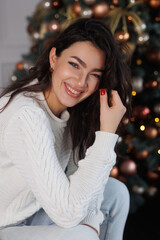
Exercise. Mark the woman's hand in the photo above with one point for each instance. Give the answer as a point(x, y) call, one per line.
point(110, 117)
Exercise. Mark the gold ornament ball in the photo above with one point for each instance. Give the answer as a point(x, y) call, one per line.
point(140, 112)
point(128, 167)
point(89, 2)
point(100, 10)
point(76, 8)
point(142, 155)
point(19, 65)
point(153, 55)
point(154, 3)
point(114, 172)
point(152, 175)
point(121, 36)
point(151, 84)
point(151, 132)
point(115, 2)
point(157, 19)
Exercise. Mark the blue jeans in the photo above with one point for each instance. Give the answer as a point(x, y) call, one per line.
point(115, 207)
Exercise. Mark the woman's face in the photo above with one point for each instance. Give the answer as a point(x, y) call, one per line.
point(76, 74)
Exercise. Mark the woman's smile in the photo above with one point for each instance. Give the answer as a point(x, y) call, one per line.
point(71, 91)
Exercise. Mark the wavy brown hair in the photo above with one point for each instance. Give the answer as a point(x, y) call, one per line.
point(85, 116)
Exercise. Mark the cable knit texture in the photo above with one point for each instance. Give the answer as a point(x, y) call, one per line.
point(35, 151)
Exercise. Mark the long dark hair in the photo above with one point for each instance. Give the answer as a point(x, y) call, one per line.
point(84, 117)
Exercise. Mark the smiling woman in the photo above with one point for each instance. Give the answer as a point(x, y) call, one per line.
point(59, 128)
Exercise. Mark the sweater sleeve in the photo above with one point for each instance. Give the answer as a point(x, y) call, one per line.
point(29, 143)
point(94, 215)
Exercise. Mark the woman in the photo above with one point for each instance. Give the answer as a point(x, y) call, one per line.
point(59, 127)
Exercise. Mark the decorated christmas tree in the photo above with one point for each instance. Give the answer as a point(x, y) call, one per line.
point(137, 23)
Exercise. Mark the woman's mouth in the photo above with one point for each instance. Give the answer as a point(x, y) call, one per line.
point(72, 92)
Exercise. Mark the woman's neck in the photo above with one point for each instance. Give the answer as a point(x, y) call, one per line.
point(55, 106)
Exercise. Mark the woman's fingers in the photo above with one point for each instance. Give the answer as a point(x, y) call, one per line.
point(115, 98)
point(110, 117)
point(103, 99)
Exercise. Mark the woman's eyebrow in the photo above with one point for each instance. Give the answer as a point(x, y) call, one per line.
point(85, 65)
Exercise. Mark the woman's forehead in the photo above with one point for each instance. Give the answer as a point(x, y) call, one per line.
point(85, 50)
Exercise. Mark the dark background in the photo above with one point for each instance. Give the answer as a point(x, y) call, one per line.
point(145, 223)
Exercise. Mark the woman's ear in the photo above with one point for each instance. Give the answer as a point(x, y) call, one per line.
point(52, 57)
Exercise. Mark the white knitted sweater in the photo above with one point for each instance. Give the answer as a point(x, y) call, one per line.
point(35, 149)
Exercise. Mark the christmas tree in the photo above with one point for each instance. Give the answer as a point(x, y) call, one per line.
point(137, 23)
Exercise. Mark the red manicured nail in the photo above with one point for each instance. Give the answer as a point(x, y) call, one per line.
point(102, 91)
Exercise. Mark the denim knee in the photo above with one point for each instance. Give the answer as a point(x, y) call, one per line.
point(116, 196)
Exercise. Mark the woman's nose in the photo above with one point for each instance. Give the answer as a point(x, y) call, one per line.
point(82, 81)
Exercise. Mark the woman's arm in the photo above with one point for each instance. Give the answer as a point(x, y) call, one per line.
point(29, 143)
point(94, 215)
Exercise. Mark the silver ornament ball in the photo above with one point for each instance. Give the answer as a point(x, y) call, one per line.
point(156, 108)
point(137, 84)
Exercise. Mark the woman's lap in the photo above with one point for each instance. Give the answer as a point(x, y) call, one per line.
point(51, 232)
point(40, 226)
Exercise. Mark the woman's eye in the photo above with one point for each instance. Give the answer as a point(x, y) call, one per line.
point(74, 64)
point(97, 76)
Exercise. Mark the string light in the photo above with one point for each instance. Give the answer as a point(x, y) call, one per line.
point(157, 19)
point(142, 127)
point(134, 93)
point(156, 119)
point(47, 4)
point(158, 151)
point(54, 26)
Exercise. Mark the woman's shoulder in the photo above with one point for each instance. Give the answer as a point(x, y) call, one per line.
point(20, 100)
point(20, 103)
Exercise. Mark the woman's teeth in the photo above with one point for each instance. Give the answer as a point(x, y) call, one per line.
point(73, 91)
